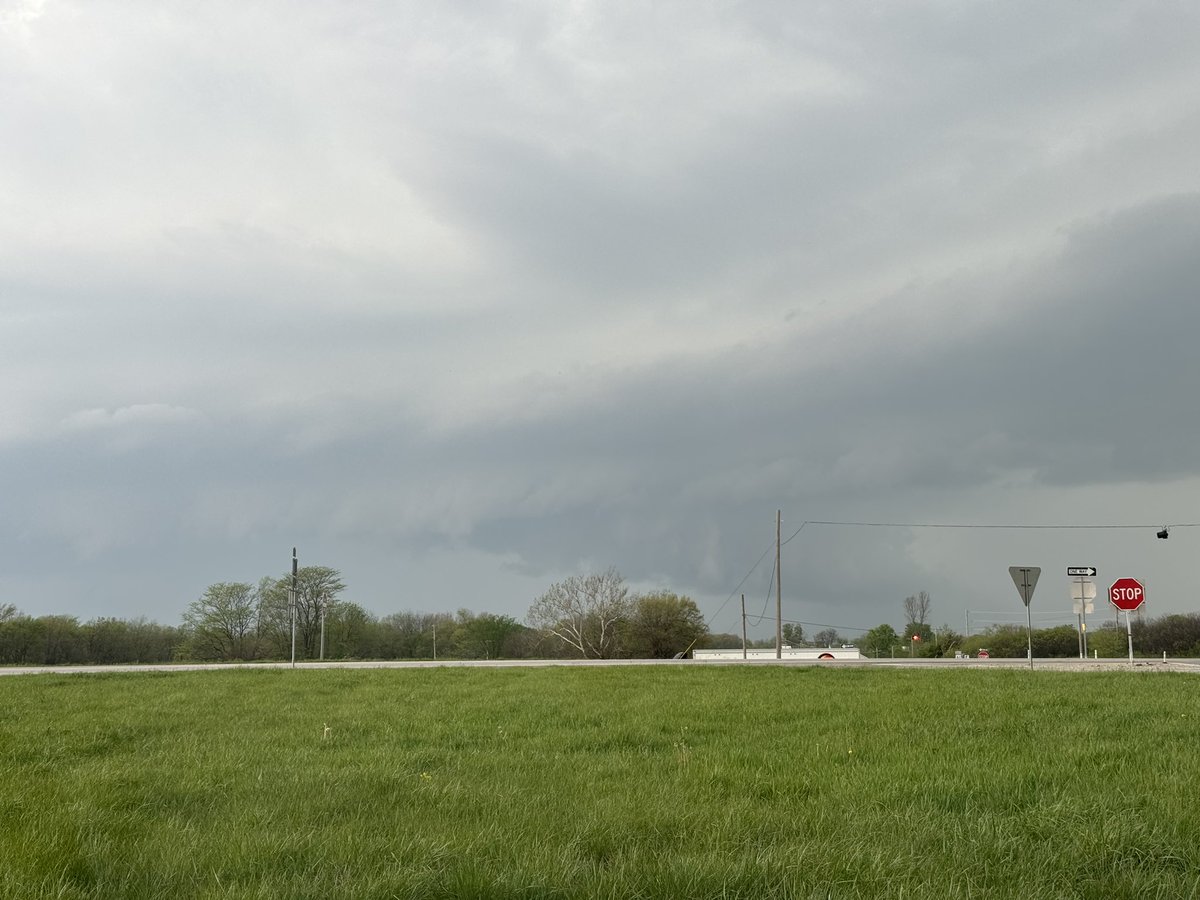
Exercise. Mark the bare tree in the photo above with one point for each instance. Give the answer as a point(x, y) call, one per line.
point(827, 637)
point(916, 609)
point(317, 591)
point(585, 613)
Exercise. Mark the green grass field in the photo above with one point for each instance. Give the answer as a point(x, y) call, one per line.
point(683, 782)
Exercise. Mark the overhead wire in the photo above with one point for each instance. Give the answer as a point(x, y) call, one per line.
point(966, 525)
point(746, 577)
point(770, 593)
point(992, 526)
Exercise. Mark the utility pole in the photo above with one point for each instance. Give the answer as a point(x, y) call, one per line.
point(323, 605)
point(295, 568)
point(743, 626)
point(778, 587)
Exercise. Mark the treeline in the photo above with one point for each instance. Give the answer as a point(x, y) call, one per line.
point(64, 640)
point(351, 633)
point(1177, 635)
point(242, 621)
point(583, 616)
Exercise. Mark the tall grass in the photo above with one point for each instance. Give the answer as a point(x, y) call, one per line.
point(625, 782)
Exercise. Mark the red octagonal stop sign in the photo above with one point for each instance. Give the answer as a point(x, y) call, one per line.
point(1127, 594)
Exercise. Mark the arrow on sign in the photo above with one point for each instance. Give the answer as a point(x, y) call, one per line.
point(1087, 571)
point(1025, 578)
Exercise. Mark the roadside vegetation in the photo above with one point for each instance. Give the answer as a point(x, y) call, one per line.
point(753, 782)
point(591, 616)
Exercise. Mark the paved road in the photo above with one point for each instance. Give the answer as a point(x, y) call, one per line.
point(1063, 665)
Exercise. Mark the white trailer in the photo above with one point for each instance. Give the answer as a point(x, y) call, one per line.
point(760, 654)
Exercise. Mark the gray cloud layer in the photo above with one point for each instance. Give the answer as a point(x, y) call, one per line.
point(462, 301)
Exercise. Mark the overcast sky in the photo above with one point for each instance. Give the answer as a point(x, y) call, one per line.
point(464, 298)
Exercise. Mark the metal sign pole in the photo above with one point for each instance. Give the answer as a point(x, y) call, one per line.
point(1129, 634)
point(1083, 592)
point(292, 595)
point(1029, 632)
point(1026, 579)
point(1084, 602)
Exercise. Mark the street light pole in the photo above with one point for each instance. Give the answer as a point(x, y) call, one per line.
point(778, 588)
point(295, 568)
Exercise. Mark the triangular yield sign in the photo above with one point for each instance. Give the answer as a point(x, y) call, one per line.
point(1025, 578)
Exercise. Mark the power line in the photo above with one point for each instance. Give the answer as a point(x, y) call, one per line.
point(1010, 527)
point(733, 593)
point(758, 620)
point(957, 525)
point(770, 593)
point(797, 531)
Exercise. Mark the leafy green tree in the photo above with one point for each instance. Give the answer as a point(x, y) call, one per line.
point(943, 642)
point(485, 636)
point(925, 631)
point(151, 642)
point(108, 641)
point(881, 640)
point(1177, 635)
point(662, 625)
point(413, 635)
point(1059, 641)
point(793, 634)
point(1109, 641)
point(64, 640)
point(223, 622)
point(348, 632)
point(585, 612)
point(401, 635)
point(721, 641)
point(1001, 641)
point(21, 641)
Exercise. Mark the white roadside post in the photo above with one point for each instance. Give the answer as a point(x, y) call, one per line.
point(1026, 579)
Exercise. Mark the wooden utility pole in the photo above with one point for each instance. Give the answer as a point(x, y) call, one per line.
point(778, 587)
point(743, 626)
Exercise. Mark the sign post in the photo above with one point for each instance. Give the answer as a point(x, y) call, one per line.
point(1026, 579)
point(1127, 594)
point(1083, 592)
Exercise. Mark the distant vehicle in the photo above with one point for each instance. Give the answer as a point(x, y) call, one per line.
point(983, 654)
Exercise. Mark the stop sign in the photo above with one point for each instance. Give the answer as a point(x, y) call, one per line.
point(1127, 594)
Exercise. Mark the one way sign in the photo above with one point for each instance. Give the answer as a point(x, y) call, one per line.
point(1083, 571)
